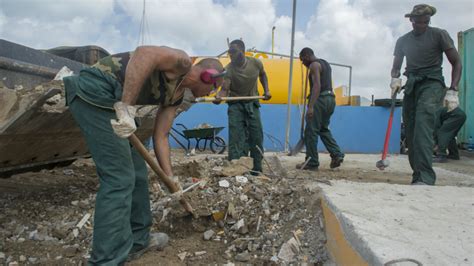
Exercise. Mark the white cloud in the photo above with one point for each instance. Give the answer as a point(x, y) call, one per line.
point(361, 33)
point(51, 10)
point(203, 26)
point(49, 23)
point(344, 33)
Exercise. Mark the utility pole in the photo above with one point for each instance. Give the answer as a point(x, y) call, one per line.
point(290, 82)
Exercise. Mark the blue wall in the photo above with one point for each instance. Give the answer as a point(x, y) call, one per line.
point(357, 129)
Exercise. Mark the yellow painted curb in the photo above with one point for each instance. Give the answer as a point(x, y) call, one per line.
point(339, 248)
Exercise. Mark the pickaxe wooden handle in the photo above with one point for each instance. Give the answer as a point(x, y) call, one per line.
point(227, 99)
point(172, 185)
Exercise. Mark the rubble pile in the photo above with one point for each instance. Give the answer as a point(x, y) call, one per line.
point(256, 218)
point(241, 217)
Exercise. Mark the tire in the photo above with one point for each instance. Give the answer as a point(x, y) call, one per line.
point(218, 145)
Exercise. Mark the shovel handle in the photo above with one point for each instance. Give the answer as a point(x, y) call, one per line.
point(172, 185)
point(228, 99)
point(389, 128)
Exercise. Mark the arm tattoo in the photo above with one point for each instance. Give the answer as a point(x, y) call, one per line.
point(183, 64)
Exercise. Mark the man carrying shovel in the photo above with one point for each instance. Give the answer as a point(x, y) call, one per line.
point(320, 108)
point(245, 126)
point(101, 100)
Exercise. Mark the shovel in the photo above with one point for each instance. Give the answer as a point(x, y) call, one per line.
point(172, 185)
point(227, 99)
point(383, 163)
point(299, 146)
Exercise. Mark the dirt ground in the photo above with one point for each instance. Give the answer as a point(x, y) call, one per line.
point(270, 219)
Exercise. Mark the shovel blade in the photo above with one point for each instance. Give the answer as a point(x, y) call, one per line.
point(297, 149)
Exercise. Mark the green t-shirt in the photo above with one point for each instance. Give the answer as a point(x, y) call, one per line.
point(423, 51)
point(243, 80)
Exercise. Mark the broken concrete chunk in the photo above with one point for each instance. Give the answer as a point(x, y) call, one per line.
point(63, 72)
point(182, 255)
point(224, 183)
point(70, 252)
point(242, 257)
point(275, 217)
point(243, 230)
point(56, 99)
point(75, 232)
point(199, 253)
point(238, 225)
point(231, 210)
point(68, 171)
point(208, 235)
point(241, 179)
point(83, 221)
point(289, 250)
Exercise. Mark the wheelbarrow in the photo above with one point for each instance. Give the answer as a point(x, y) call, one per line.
point(204, 137)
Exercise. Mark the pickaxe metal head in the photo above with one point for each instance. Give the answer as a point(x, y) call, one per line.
point(382, 164)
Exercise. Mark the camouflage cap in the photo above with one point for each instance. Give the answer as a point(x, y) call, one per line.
point(421, 10)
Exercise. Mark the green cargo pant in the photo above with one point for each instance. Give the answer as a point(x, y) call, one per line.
point(318, 126)
point(245, 132)
point(450, 124)
point(122, 218)
point(419, 114)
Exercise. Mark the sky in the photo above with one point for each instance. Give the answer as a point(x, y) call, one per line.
point(360, 33)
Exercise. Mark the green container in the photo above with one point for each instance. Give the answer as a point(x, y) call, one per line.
point(466, 85)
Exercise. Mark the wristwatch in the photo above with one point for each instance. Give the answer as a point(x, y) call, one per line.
point(453, 88)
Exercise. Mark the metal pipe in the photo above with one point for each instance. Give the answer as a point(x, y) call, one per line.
point(273, 40)
point(20, 66)
point(290, 82)
point(350, 85)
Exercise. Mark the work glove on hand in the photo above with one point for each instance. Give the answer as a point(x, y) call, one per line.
point(124, 125)
point(395, 85)
point(451, 100)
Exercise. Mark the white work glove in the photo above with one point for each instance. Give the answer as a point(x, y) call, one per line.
point(124, 125)
point(451, 100)
point(395, 85)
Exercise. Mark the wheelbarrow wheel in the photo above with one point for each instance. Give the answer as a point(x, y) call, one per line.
point(218, 145)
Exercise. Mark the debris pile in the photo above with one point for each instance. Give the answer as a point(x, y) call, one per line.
point(242, 218)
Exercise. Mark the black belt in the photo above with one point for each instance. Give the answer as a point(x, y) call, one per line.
point(323, 93)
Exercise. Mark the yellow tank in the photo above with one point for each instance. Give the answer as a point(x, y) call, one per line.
point(278, 76)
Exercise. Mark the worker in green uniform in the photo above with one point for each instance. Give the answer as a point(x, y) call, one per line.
point(321, 105)
point(448, 124)
point(101, 99)
point(423, 48)
point(245, 125)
